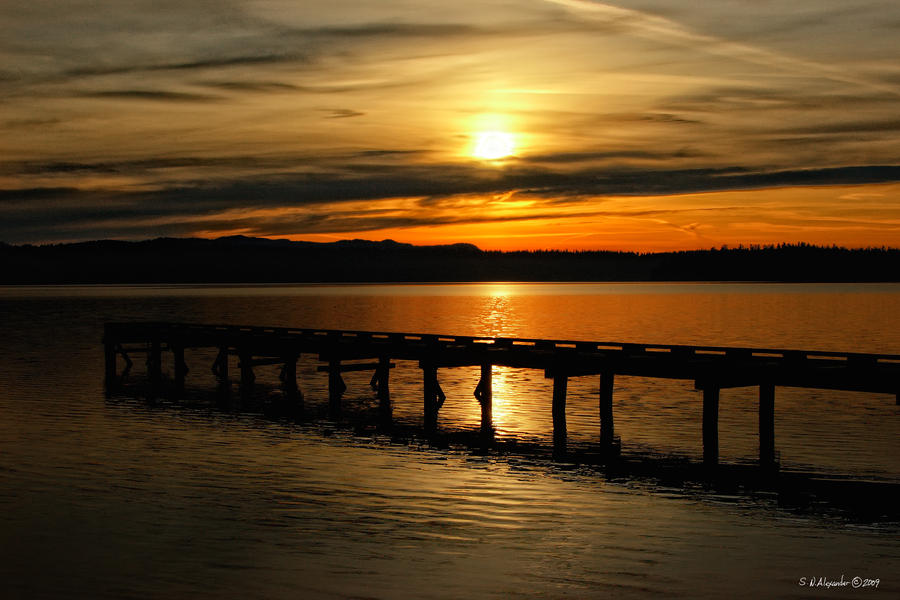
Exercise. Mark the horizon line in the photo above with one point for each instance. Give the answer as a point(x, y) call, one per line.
point(720, 248)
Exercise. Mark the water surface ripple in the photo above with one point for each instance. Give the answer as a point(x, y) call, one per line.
point(122, 498)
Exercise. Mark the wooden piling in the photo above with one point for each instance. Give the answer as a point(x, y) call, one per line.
point(429, 373)
point(109, 353)
point(154, 362)
point(607, 428)
point(246, 366)
point(126, 358)
point(766, 425)
point(560, 384)
point(292, 392)
point(486, 399)
point(180, 368)
point(223, 383)
point(289, 373)
point(336, 388)
point(711, 425)
point(220, 365)
point(383, 390)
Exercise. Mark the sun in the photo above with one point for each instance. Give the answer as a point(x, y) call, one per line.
point(491, 145)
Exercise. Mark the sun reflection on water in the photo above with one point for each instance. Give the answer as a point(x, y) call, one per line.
point(503, 405)
point(496, 319)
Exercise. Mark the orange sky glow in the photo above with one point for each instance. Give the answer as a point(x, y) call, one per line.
point(566, 124)
point(815, 215)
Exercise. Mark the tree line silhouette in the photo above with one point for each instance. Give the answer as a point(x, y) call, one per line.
point(240, 259)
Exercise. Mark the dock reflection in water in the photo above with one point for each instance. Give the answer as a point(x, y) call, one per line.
point(710, 368)
point(130, 499)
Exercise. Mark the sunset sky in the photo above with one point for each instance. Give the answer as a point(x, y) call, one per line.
point(635, 124)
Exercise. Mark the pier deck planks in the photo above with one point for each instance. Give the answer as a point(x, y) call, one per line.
point(712, 368)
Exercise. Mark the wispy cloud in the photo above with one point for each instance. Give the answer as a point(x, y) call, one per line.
point(146, 118)
point(342, 113)
point(154, 95)
point(193, 65)
point(661, 28)
point(545, 188)
point(400, 181)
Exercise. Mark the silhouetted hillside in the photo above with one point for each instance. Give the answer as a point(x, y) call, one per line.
point(243, 259)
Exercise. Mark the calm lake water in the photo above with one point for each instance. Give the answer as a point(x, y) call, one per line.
point(124, 498)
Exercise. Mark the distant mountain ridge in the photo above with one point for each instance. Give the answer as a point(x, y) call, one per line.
point(241, 259)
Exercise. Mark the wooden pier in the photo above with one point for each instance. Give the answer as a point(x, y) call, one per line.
point(711, 368)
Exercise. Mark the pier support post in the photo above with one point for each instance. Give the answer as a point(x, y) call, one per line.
point(383, 390)
point(181, 368)
point(484, 393)
point(607, 428)
point(154, 361)
point(429, 373)
point(292, 392)
point(247, 376)
point(767, 425)
point(109, 353)
point(128, 363)
point(220, 366)
point(154, 366)
point(711, 425)
point(336, 388)
point(560, 385)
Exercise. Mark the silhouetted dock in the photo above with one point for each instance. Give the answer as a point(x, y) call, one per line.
point(711, 368)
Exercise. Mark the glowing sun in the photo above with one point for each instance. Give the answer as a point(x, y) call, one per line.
point(491, 145)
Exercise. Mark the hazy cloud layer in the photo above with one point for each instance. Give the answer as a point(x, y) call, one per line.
point(277, 117)
point(406, 197)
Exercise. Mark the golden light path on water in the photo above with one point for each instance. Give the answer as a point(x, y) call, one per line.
point(495, 319)
point(235, 503)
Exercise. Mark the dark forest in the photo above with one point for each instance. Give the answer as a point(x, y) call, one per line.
point(258, 260)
